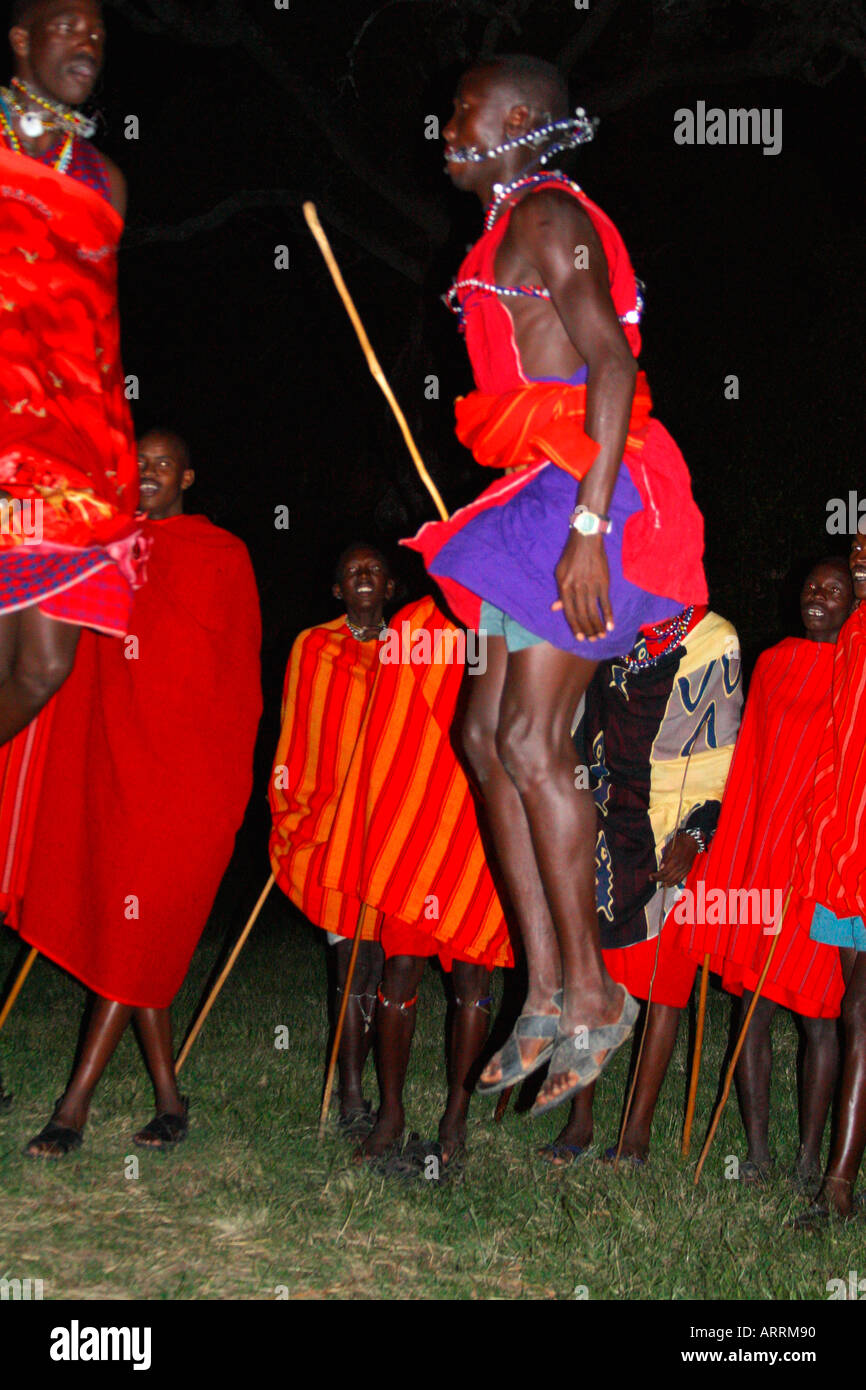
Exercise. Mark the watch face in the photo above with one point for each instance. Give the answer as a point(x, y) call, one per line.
point(587, 525)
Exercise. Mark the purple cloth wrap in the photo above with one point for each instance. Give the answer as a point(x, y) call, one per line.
point(508, 554)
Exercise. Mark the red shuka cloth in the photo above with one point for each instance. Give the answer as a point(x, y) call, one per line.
point(148, 772)
point(65, 425)
point(771, 774)
point(831, 838)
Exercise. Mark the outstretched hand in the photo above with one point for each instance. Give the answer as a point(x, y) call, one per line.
point(583, 581)
point(678, 857)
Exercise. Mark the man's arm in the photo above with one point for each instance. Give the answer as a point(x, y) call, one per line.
point(549, 228)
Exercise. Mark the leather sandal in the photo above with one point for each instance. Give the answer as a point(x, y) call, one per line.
point(513, 1068)
point(164, 1131)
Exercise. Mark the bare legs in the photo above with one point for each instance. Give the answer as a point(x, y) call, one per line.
point(36, 656)
point(820, 1064)
point(470, 1019)
point(849, 1139)
point(360, 1019)
point(107, 1023)
point(517, 736)
point(397, 1013)
point(658, 1049)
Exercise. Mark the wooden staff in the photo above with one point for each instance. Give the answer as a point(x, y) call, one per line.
point(324, 245)
point(633, 1086)
point(223, 975)
point(16, 988)
point(726, 1090)
point(696, 1060)
point(502, 1105)
point(341, 1018)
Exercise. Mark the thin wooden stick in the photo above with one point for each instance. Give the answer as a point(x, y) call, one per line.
point(696, 1059)
point(726, 1091)
point(324, 245)
point(341, 1018)
point(644, 1031)
point(649, 1001)
point(224, 974)
point(16, 988)
point(502, 1105)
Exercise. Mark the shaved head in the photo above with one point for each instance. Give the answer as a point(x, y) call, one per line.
point(178, 444)
point(354, 549)
point(531, 82)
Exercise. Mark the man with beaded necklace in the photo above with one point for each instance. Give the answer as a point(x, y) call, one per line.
point(66, 442)
point(550, 305)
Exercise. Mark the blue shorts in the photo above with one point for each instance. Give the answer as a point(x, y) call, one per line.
point(837, 931)
point(498, 624)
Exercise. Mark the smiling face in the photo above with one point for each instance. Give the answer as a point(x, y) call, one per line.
point(164, 474)
point(364, 585)
point(825, 600)
point(59, 50)
point(857, 563)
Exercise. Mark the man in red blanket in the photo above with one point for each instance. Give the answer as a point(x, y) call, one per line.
point(591, 535)
point(146, 780)
point(70, 553)
point(744, 878)
point(831, 874)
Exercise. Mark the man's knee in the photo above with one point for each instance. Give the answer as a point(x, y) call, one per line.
point(470, 983)
point(854, 1017)
point(39, 675)
point(400, 978)
point(525, 751)
point(479, 745)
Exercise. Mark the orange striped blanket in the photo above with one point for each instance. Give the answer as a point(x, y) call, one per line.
point(391, 821)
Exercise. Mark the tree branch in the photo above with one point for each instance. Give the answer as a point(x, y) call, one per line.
point(247, 199)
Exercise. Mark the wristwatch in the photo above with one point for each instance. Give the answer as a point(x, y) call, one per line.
point(588, 523)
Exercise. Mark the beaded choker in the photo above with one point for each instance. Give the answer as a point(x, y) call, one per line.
point(38, 114)
point(569, 133)
point(59, 161)
point(358, 632)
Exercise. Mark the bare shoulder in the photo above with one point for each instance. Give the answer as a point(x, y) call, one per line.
point(550, 207)
point(116, 184)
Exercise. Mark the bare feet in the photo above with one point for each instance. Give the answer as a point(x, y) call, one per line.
point(452, 1136)
point(386, 1135)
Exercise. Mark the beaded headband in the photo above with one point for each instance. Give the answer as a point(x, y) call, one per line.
point(572, 131)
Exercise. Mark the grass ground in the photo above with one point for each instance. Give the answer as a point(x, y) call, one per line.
point(253, 1207)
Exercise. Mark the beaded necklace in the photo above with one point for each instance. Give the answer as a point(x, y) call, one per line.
point(671, 633)
point(504, 193)
point(358, 632)
point(60, 162)
point(59, 116)
point(572, 131)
